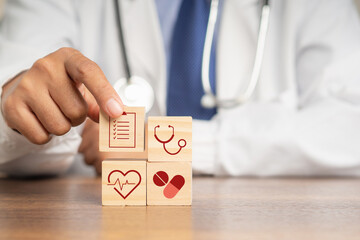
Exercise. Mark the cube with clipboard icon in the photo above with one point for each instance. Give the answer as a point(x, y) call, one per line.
point(122, 134)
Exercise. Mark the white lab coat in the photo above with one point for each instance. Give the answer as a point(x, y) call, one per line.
point(304, 116)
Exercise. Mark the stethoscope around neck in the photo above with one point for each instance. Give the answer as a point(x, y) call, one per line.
point(136, 91)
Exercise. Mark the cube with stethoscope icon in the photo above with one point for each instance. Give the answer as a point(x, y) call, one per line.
point(169, 139)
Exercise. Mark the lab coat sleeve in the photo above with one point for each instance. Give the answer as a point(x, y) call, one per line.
point(321, 135)
point(30, 30)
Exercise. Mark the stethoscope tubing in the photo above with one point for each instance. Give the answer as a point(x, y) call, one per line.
point(259, 54)
point(133, 90)
point(209, 37)
point(123, 48)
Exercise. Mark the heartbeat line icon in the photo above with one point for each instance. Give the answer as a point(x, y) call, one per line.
point(121, 185)
point(133, 185)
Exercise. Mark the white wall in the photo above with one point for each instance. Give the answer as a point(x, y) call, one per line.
point(2, 4)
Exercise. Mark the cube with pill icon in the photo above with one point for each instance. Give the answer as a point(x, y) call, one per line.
point(169, 183)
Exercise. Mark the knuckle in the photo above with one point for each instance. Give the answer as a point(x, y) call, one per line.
point(77, 116)
point(8, 105)
point(61, 129)
point(10, 110)
point(40, 139)
point(67, 50)
point(26, 86)
point(86, 68)
point(44, 65)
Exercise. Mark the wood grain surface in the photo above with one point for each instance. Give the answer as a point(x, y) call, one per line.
point(227, 208)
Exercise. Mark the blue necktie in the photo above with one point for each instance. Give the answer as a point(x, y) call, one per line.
point(184, 85)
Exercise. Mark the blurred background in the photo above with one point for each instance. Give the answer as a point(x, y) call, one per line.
point(79, 167)
point(2, 5)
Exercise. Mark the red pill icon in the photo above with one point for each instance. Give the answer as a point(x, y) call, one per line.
point(160, 178)
point(174, 186)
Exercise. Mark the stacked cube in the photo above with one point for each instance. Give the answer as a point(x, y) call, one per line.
point(157, 168)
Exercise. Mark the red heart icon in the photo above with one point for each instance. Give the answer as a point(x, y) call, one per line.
point(133, 184)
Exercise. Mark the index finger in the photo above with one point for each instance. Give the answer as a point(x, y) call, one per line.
point(83, 70)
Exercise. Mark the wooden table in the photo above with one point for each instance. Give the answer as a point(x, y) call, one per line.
point(227, 208)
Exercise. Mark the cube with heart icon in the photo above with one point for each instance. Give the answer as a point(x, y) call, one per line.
point(169, 183)
point(124, 182)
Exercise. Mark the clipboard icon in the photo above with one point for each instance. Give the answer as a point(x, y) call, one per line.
point(122, 131)
point(123, 134)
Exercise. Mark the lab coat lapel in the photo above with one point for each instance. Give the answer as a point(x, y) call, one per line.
point(145, 46)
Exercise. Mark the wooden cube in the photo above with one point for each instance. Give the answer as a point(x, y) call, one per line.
point(169, 139)
point(123, 182)
point(123, 134)
point(169, 183)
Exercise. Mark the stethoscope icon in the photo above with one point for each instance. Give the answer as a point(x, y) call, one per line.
point(181, 142)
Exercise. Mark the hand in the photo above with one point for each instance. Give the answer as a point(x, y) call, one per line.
point(89, 146)
point(59, 91)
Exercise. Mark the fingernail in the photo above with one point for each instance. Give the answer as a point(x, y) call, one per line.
point(114, 107)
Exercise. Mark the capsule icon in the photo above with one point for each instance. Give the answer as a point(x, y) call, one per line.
point(174, 186)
